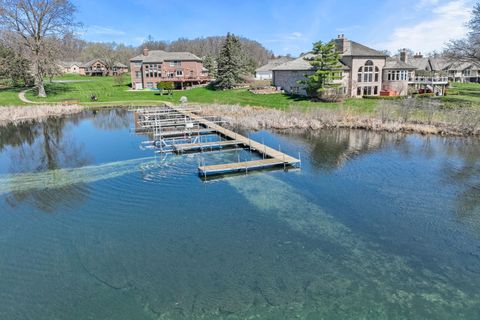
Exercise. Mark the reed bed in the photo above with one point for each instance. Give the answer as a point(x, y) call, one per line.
point(390, 118)
point(35, 112)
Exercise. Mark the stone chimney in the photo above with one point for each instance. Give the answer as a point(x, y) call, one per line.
point(342, 43)
point(404, 55)
point(145, 52)
point(418, 55)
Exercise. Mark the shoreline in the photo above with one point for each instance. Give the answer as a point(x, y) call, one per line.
point(258, 118)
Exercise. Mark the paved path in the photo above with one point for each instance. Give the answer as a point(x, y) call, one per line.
point(21, 96)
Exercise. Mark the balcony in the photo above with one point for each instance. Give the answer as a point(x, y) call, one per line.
point(429, 80)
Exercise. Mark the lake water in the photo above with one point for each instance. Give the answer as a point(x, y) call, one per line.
point(374, 226)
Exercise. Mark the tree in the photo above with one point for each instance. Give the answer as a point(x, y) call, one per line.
point(325, 61)
point(119, 79)
point(211, 65)
point(230, 63)
point(165, 85)
point(14, 67)
point(467, 49)
point(35, 21)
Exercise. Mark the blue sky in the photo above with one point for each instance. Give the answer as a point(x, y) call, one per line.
point(283, 26)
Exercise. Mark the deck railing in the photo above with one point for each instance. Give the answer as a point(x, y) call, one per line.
point(429, 80)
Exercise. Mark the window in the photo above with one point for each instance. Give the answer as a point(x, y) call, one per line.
point(467, 72)
point(179, 73)
point(366, 73)
point(359, 91)
point(375, 90)
point(175, 63)
point(138, 74)
point(397, 75)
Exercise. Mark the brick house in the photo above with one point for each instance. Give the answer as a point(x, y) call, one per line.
point(365, 72)
point(184, 69)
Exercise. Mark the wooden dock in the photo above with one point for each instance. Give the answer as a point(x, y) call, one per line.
point(183, 147)
point(272, 157)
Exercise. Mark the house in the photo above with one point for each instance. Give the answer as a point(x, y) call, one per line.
point(98, 67)
point(184, 69)
point(454, 70)
point(265, 72)
point(365, 72)
point(94, 67)
point(69, 67)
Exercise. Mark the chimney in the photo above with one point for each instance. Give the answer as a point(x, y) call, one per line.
point(418, 55)
point(404, 55)
point(145, 52)
point(342, 43)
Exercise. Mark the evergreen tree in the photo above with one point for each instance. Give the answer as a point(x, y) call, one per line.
point(230, 63)
point(14, 67)
point(211, 65)
point(327, 69)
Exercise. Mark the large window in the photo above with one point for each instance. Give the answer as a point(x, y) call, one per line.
point(397, 75)
point(368, 72)
point(175, 63)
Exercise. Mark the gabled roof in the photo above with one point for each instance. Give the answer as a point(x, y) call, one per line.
point(160, 56)
point(91, 62)
point(69, 64)
point(272, 64)
point(393, 63)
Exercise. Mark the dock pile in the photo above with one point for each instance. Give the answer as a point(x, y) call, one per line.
point(178, 129)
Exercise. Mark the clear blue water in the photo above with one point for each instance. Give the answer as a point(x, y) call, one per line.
point(374, 226)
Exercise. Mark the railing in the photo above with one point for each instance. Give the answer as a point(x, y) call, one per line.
point(429, 80)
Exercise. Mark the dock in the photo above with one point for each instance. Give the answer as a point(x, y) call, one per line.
point(173, 121)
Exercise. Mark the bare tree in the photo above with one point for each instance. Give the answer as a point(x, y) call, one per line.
point(36, 21)
point(467, 49)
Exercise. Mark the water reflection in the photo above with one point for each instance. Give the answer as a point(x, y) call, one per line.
point(42, 147)
point(112, 119)
point(330, 149)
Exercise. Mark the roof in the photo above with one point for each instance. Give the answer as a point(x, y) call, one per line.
point(91, 62)
point(119, 65)
point(420, 63)
point(69, 64)
point(272, 64)
point(301, 64)
point(359, 50)
point(393, 63)
point(160, 56)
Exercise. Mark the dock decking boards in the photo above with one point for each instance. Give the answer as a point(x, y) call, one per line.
point(271, 156)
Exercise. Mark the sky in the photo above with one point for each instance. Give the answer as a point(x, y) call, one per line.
point(283, 26)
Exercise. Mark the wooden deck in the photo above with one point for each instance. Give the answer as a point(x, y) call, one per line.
point(182, 147)
point(273, 157)
point(238, 166)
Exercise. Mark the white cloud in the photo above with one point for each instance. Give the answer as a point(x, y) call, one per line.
point(447, 22)
point(106, 31)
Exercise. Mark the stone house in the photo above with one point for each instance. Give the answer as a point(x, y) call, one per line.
point(366, 72)
point(69, 67)
point(184, 69)
point(98, 67)
point(455, 71)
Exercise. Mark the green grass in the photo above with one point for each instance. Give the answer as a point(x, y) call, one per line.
point(9, 97)
point(468, 93)
point(109, 93)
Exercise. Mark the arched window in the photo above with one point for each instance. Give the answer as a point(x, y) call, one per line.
point(366, 73)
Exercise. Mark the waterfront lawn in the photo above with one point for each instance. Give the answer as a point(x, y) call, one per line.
point(9, 96)
point(110, 93)
point(468, 93)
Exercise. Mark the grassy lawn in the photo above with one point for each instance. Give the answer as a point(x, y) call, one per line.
point(9, 97)
point(468, 92)
point(110, 93)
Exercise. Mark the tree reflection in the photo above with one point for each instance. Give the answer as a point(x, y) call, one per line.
point(41, 147)
point(112, 119)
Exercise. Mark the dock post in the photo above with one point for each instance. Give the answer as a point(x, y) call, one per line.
point(300, 159)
